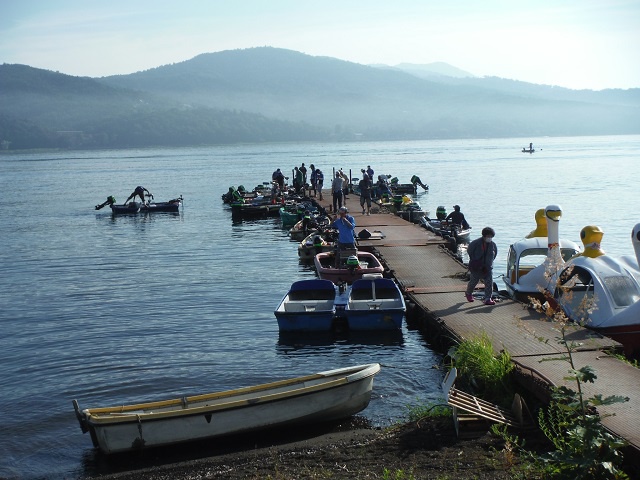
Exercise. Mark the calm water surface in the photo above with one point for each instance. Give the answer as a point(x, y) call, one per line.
point(113, 310)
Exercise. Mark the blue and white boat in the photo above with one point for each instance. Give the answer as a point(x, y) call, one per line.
point(308, 306)
point(374, 303)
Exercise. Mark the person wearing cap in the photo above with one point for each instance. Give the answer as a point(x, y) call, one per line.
point(336, 190)
point(346, 226)
point(457, 217)
point(370, 172)
point(482, 251)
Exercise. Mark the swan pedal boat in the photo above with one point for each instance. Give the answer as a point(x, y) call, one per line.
point(321, 397)
point(526, 257)
point(602, 291)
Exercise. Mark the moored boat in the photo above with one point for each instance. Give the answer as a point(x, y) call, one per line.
point(603, 292)
point(350, 265)
point(324, 240)
point(533, 262)
point(374, 303)
point(308, 306)
point(324, 396)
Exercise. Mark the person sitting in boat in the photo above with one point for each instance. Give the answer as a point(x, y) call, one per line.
point(346, 226)
point(139, 191)
point(457, 217)
point(383, 186)
point(308, 222)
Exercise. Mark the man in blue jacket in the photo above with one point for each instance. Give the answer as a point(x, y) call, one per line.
point(346, 226)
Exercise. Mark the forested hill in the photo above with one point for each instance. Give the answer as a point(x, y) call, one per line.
point(269, 94)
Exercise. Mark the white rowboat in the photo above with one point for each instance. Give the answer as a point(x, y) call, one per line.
point(323, 396)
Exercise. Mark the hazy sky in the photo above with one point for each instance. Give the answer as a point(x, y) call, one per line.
point(571, 43)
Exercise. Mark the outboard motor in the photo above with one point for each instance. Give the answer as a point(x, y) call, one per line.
point(441, 213)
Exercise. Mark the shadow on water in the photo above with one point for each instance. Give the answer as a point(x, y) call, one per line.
point(290, 342)
point(95, 463)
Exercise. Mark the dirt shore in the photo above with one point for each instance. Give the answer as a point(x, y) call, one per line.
point(428, 449)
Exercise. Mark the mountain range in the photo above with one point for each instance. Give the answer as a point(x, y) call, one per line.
point(268, 94)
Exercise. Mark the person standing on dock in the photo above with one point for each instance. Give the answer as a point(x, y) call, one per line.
point(482, 251)
point(365, 192)
point(346, 226)
point(370, 172)
point(319, 182)
point(336, 190)
point(313, 180)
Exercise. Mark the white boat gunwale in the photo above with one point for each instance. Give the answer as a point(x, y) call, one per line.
point(135, 413)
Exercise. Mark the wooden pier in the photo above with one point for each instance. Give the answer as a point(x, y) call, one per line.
point(434, 280)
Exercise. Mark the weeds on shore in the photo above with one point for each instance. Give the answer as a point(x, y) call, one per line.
point(481, 371)
point(584, 448)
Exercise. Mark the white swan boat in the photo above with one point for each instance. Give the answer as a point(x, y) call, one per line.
point(533, 262)
point(603, 292)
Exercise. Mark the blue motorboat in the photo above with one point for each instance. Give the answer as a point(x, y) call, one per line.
point(308, 306)
point(374, 303)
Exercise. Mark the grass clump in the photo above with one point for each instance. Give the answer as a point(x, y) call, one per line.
point(482, 372)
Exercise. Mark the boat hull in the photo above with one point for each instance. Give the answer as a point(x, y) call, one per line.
point(172, 206)
point(308, 306)
point(245, 210)
point(374, 304)
point(323, 397)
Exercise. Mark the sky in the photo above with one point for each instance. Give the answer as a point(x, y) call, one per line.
point(578, 44)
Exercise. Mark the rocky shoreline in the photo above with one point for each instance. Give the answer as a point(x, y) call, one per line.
point(427, 449)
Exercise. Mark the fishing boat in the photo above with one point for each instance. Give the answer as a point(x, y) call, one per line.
point(259, 207)
point(308, 306)
point(346, 266)
point(603, 292)
point(533, 262)
point(447, 229)
point(374, 303)
point(311, 223)
point(172, 206)
point(321, 397)
point(323, 240)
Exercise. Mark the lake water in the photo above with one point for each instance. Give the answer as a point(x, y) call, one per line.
point(112, 310)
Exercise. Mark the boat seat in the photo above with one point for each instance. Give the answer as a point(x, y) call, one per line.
point(301, 306)
point(522, 271)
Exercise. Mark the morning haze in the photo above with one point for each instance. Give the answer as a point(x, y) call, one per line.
point(269, 94)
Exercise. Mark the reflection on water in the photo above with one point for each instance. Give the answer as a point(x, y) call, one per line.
point(309, 343)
